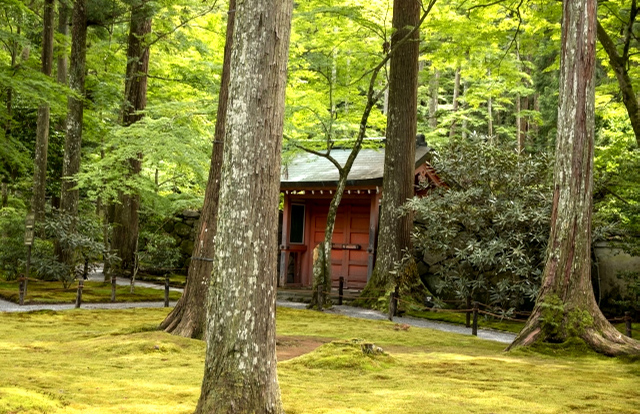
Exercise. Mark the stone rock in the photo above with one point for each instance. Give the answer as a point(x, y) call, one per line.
point(182, 229)
point(168, 226)
point(186, 247)
point(195, 214)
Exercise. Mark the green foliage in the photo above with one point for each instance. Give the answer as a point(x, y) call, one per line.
point(79, 238)
point(630, 295)
point(334, 45)
point(13, 252)
point(158, 251)
point(485, 236)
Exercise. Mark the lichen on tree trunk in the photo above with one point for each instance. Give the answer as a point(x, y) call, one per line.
point(189, 315)
point(566, 305)
point(240, 374)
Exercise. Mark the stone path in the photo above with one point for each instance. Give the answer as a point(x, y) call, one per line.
point(488, 334)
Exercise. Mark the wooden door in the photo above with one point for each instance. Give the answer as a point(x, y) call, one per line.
point(351, 228)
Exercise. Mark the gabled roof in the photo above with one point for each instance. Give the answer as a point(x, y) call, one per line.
point(311, 170)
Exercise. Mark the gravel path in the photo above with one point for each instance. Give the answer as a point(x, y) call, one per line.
point(488, 334)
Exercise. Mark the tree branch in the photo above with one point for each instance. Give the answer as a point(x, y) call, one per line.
point(323, 155)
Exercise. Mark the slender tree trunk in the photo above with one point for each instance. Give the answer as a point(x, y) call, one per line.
point(189, 315)
point(63, 29)
point(240, 364)
point(566, 306)
point(5, 194)
point(42, 130)
point(434, 85)
point(394, 234)
point(465, 87)
point(75, 110)
point(620, 64)
point(490, 119)
point(519, 129)
point(126, 224)
point(456, 104)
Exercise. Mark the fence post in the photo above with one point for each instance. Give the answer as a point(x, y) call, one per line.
point(113, 288)
point(340, 290)
point(21, 288)
point(468, 314)
point(79, 294)
point(474, 328)
point(166, 290)
point(627, 322)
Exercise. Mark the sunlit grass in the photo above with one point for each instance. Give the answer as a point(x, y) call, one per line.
point(93, 292)
point(106, 361)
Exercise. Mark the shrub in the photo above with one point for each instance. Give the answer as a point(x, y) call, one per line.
point(485, 236)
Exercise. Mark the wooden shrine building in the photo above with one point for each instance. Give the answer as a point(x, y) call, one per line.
point(308, 183)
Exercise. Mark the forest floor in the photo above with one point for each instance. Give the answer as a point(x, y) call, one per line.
point(115, 361)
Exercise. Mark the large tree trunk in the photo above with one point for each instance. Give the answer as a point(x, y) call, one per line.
point(619, 64)
point(126, 225)
point(240, 366)
point(189, 315)
point(75, 106)
point(394, 234)
point(566, 306)
point(42, 130)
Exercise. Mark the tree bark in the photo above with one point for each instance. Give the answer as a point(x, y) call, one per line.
point(63, 29)
point(240, 364)
point(619, 64)
point(519, 128)
point(566, 306)
point(75, 110)
point(434, 85)
point(5, 194)
point(465, 87)
point(456, 104)
point(189, 315)
point(394, 234)
point(42, 129)
point(126, 224)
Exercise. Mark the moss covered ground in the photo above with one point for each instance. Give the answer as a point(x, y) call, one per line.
point(93, 292)
point(107, 361)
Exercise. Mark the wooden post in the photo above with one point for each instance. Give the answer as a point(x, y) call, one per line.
point(468, 314)
point(166, 290)
point(627, 322)
point(474, 328)
point(340, 290)
point(113, 287)
point(79, 294)
point(28, 241)
point(320, 297)
point(22, 286)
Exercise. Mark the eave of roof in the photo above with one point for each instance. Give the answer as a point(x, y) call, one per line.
point(308, 170)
